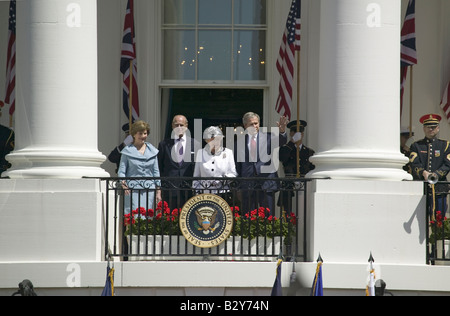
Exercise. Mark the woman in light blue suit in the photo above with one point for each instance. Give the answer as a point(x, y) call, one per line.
point(139, 159)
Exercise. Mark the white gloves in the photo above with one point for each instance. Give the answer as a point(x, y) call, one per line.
point(128, 140)
point(297, 136)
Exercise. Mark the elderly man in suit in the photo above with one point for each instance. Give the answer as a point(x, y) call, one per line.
point(254, 158)
point(176, 158)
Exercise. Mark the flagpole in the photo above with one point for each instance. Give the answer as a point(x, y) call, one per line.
point(410, 101)
point(130, 96)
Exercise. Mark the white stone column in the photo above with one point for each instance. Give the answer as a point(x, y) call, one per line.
point(358, 94)
point(56, 91)
point(365, 207)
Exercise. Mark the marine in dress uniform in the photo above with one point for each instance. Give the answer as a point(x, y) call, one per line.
point(288, 156)
point(431, 155)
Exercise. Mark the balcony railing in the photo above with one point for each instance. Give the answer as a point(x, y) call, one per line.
point(138, 228)
point(438, 226)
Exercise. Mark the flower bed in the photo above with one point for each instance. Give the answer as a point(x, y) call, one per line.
point(256, 233)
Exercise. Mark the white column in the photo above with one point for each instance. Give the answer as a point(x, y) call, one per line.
point(358, 95)
point(56, 84)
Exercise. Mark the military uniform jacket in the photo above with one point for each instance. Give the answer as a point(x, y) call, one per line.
point(288, 156)
point(432, 155)
point(6, 146)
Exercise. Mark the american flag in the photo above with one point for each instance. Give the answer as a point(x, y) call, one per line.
point(11, 59)
point(408, 56)
point(445, 102)
point(286, 59)
point(129, 54)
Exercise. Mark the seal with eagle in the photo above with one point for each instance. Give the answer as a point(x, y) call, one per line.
point(206, 218)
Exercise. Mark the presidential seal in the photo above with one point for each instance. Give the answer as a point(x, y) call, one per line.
point(206, 220)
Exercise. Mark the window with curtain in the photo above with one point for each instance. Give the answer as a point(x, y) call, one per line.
point(214, 40)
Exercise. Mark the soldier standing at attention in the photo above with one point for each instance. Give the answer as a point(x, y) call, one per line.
point(431, 154)
point(288, 156)
point(288, 152)
point(430, 158)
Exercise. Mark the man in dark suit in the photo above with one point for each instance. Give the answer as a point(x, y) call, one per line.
point(176, 158)
point(254, 159)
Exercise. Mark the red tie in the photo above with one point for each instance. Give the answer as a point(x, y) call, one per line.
point(253, 149)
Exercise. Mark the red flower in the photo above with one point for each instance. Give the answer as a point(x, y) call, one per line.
point(439, 222)
point(128, 219)
point(292, 218)
point(160, 206)
point(261, 212)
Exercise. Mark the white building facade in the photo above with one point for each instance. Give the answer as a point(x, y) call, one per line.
point(69, 117)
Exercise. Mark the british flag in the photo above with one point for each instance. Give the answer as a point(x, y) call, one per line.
point(11, 59)
point(129, 57)
point(408, 55)
point(286, 59)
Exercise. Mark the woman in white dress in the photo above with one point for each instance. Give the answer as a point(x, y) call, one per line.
point(213, 161)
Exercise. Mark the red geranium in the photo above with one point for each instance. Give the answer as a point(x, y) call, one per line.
point(440, 228)
point(159, 221)
point(259, 223)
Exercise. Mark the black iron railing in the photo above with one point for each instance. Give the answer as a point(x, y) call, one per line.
point(269, 217)
point(438, 226)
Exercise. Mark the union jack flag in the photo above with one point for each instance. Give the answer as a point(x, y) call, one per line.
point(11, 59)
point(286, 59)
point(129, 54)
point(408, 56)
